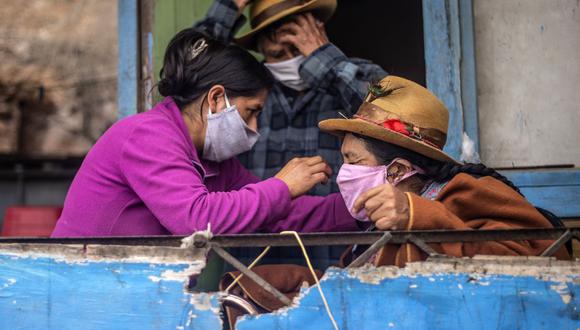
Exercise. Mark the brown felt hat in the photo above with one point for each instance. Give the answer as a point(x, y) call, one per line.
point(401, 112)
point(264, 13)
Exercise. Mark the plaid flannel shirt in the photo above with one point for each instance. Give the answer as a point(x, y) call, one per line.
point(288, 124)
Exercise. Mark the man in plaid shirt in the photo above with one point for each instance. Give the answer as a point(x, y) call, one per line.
point(325, 82)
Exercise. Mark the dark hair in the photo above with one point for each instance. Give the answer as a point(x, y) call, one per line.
point(185, 77)
point(438, 171)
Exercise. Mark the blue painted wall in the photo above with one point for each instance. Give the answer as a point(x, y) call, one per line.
point(441, 31)
point(43, 293)
point(443, 301)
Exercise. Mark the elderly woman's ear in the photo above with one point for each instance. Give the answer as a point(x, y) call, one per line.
point(397, 170)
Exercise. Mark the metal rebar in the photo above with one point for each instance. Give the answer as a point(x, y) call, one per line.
point(557, 244)
point(422, 246)
point(253, 276)
point(317, 239)
point(371, 250)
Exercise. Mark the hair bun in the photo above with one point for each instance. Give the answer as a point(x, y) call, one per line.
point(166, 87)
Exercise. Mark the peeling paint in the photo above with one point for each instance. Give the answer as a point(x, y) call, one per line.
point(102, 286)
point(445, 293)
point(543, 268)
point(564, 292)
point(528, 290)
point(106, 253)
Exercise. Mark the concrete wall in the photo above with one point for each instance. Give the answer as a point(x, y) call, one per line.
point(58, 74)
point(528, 75)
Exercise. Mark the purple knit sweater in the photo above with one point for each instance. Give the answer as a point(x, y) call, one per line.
point(144, 177)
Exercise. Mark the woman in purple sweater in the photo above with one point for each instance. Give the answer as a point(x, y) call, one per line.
point(172, 170)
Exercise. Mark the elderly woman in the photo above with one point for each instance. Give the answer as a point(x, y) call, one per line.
point(395, 176)
point(172, 170)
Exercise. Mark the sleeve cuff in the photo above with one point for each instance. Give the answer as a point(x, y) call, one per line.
point(425, 214)
point(318, 66)
point(411, 211)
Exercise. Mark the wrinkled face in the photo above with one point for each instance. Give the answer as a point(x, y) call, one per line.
point(354, 151)
point(273, 50)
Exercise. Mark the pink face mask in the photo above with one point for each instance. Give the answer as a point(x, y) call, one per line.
point(353, 180)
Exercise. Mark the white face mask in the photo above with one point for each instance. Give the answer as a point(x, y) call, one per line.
point(227, 135)
point(286, 72)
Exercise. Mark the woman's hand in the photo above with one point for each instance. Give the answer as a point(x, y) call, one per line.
point(386, 206)
point(301, 174)
point(306, 34)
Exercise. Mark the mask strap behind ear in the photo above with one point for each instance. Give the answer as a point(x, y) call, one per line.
point(227, 100)
point(228, 104)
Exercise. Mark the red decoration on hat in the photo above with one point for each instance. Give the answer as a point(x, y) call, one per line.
point(397, 126)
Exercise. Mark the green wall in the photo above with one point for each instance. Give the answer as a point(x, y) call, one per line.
point(169, 17)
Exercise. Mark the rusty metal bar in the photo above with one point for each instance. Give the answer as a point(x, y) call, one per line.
point(249, 273)
point(317, 239)
point(371, 250)
point(422, 246)
point(557, 244)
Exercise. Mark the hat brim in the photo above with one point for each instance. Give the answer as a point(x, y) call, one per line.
point(322, 9)
point(361, 127)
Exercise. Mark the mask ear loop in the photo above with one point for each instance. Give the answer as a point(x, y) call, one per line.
point(390, 175)
point(227, 100)
point(228, 104)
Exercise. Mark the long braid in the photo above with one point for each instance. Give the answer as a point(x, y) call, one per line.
point(445, 171)
point(435, 170)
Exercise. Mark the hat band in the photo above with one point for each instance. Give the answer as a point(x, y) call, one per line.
point(274, 10)
point(393, 122)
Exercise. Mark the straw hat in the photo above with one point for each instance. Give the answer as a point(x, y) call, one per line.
point(400, 112)
point(265, 12)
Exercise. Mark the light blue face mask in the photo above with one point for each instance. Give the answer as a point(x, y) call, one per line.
point(227, 135)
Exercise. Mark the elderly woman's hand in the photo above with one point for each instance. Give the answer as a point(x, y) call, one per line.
point(386, 206)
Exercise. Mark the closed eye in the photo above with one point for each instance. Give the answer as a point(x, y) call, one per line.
point(276, 54)
point(255, 112)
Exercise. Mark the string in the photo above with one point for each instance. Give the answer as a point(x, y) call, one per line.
point(313, 275)
point(258, 258)
point(299, 240)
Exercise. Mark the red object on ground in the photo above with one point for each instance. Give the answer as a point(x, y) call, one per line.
point(30, 221)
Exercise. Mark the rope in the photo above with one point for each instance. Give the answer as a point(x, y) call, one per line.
point(313, 275)
point(249, 267)
point(299, 240)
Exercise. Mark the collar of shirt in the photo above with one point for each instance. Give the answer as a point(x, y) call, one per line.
point(207, 168)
